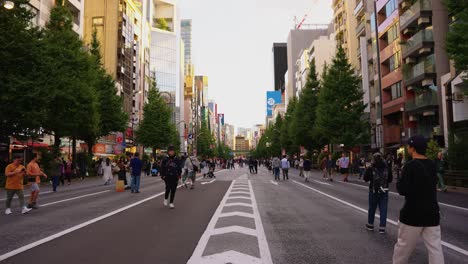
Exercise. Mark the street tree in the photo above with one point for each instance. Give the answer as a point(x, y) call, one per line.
point(22, 100)
point(457, 36)
point(287, 129)
point(67, 78)
point(205, 141)
point(274, 141)
point(303, 128)
point(155, 130)
point(340, 108)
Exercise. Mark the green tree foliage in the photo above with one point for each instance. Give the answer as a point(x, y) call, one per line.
point(304, 115)
point(458, 144)
point(67, 76)
point(340, 108)
point(22, 100)
point(457, 37)
point(162, 24)
point(223, 151)
point(288, 140)
point(205, 141)
point(155, 130)
point(432, 149)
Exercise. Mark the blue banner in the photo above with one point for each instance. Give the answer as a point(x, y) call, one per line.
point(273, 98)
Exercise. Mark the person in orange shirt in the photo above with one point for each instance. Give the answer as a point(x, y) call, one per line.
point(14, 173)
point(34, 173)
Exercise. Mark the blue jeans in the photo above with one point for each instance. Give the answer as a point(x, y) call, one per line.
point(361, 172)
point(276, 171)
point(55, 182)
point(381, 200)
point(135, 185)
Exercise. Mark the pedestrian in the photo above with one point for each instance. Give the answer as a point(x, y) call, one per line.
point(440, 166)
point(301, 167)
point(14, 174)
point(420, 215)
point(344, 166)
point(55, 172)
point(256, 166)
point(122, 174)
point(171, 169)
point(362, 166)
point(62, 172)
point(69, 171)
point(330, 166)
point(285, 167)
point(136, 166)
point(276, 164)
point(390, 163)
point(192, 166)
point(398, 165)
point(34, 173)
point(379, 179)
point(307, 167)
point(323, 168)
point(107, 172)
point(251, 165)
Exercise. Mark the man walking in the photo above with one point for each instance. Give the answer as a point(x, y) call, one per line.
point(256, 166)
point(191, 166)
point(34, 173)
point(276, 164)
point(56, 166)
point(14, 173)
point(307, 167)
point(285, 166)
point(330, 166)
point(420, 215)
point(136, 166)
point(344, 166)
point(301, 167)
point(379, 179)
point(440, 166)
point(171, 171)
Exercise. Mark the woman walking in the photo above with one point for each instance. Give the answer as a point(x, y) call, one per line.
point(107, 170)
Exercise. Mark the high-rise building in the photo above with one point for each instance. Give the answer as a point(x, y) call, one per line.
point(186, 35)
point(188, 73)
point(280, 65)
point(298, 40)
point(42, 11)
point(229, 135)
point(345, 29)
point(242, 144)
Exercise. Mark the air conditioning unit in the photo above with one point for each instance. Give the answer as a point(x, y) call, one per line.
point(410, 60)
point(423, 20)
point(413, 118)
point(427, 82)
point(405, 5)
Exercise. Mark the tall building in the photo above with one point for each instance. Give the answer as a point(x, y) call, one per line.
point(345, 28)
point(280, 65)
point(229, 135)
point(298, 40)
point(41, 8)
point(242, 144)
point(186, 35)
point(123, 32)
point(188, 74)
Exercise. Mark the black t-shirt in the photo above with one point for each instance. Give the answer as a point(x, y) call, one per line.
point(418, 184)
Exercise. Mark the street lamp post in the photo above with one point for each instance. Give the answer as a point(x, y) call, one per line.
point(8, 5)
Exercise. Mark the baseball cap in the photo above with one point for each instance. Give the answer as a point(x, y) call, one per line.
point(418, 142)
point(171, 147)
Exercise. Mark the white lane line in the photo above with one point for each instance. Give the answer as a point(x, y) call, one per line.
point(265, 254)
point(27, 195)
point(74, 228)
point(240, 192)
point(238, 204)
point(320, 182)
point(273, 182)
point(74, 198)
point(397, 194)
point(446, 244)
point(208, 182)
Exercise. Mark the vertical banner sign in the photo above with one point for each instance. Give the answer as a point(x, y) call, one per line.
point(221, 119)
point(273, 98)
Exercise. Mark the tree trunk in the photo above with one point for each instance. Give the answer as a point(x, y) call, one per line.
point(57, 143)
point(74, 151)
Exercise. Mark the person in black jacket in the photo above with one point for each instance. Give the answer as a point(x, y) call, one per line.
point(379, 178)
point(420, 215)
point(171, 170)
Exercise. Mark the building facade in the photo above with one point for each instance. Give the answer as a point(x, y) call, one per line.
point(280, 65)
point(41, 8)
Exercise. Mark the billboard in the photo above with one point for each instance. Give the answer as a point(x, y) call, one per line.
point(273, 97)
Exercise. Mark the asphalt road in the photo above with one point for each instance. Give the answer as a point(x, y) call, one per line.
point(235, 218)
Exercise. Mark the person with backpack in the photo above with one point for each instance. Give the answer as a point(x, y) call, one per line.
point(171, 170)
point(379, 179)
point(192, 166)
point(420, 216)
point(307, 167)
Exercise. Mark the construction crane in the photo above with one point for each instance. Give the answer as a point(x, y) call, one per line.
point(298, 26)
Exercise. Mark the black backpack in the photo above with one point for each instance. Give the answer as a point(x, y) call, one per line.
point(380, 179)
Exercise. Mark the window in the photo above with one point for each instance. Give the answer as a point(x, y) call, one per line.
point(391, 6)
point(98, 21)
point(392, 33)
point(396, 90)
point(395, 61)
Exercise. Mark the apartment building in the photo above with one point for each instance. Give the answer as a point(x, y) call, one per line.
point(42, 10)
point(345, 29)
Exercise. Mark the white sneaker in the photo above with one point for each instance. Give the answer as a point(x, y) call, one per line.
point(8, 211)
point(171, 206)
point(165, 202)
point(25, 210)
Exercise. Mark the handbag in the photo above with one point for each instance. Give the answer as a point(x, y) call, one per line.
point(195, 168)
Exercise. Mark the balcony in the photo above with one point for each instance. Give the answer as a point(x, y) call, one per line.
point(421, 11)
point(422, 72)
point(417, 45)
point(423, 102)
point(361, 28)
point(392, 134)
point(358, 10)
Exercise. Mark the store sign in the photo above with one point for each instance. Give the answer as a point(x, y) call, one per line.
point(273, 98)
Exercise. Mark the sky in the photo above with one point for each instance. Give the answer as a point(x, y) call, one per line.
point(232, 44)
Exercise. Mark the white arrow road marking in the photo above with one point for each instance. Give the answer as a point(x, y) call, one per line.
point(74, 198)
point(273, 182)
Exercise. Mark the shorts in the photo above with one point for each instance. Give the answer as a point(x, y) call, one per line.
point(344, 170)
point(34, 187)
